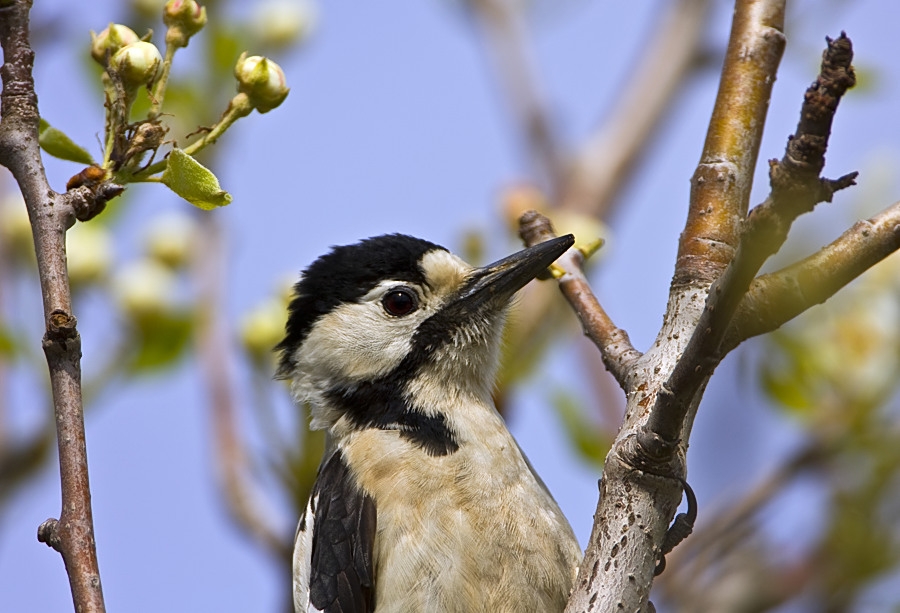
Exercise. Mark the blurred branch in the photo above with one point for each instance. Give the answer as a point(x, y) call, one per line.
point(505, 37)
point(216, 360)
point(776, 298)
point(725, 530)
point(51, 214)
point(618, 354)
point(606, 160)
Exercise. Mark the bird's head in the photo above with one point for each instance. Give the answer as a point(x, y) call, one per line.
point(394, 322)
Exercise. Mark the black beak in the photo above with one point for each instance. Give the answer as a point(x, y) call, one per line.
point(496, 283)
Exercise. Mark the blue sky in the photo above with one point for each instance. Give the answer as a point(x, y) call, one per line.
point(395, 124)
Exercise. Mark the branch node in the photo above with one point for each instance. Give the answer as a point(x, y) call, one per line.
point(48, 533)
point(89, 200)
point(61, 331)
point(61, 325)
point(647, 451)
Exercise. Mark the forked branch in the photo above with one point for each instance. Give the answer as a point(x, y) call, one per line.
point(796, 189)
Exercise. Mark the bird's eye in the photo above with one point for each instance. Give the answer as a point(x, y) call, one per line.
point(399, 302)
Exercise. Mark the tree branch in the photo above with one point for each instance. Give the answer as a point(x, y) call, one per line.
point(51, 215)
point(720, 187)
point(641, 483)
point(613, 342)
point(776, 298)
point(796, 188)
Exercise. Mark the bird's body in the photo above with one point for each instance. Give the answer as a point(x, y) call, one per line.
point(424, 501)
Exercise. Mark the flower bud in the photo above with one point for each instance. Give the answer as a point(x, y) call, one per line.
point(184, 18)
point(137, 64)
point(262, 80)
point(109, 41)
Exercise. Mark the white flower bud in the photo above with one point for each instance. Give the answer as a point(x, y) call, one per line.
point(262, 80)
point(137, 64)
point(109, 41)
point(184, 18)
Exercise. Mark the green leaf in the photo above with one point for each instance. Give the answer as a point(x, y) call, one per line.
point(56, 143)
point(194, 182)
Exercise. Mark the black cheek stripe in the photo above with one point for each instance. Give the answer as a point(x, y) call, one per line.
point(379, 404)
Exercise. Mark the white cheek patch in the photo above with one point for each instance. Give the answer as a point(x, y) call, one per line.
point(356, 341)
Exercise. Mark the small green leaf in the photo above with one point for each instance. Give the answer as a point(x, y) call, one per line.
point(56, 143)
point(194, 182)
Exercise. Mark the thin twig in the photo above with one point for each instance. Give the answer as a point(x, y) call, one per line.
point(796, 184)
point(618, 353)
point(51, 215)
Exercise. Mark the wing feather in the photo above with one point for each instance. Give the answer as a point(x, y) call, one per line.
point(333, 568)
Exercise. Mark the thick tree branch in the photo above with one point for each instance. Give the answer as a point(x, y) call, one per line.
point(51, 215)
point(615, 347)
point(605, 161)
point(641, 483)
point(720, 187)
point(776, 298)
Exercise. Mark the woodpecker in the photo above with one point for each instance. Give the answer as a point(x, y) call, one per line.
point(423, 501)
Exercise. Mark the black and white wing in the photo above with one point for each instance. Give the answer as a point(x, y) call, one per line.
point(333, 570)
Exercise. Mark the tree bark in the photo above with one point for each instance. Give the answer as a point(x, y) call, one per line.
point(51, 215)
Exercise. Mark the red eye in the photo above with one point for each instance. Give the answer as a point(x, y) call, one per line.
point(399, 302)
